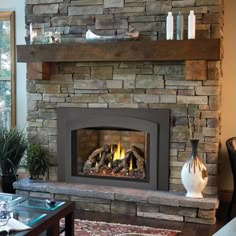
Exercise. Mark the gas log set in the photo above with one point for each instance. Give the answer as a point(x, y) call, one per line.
point(113, 160)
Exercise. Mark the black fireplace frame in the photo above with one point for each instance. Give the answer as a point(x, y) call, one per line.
point(156, 122)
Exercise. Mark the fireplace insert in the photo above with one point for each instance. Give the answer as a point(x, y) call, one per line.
point(117, 147)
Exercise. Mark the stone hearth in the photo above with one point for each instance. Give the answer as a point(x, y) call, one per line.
point(150, 204)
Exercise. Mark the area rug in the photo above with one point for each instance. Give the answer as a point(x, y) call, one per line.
point(95, 228)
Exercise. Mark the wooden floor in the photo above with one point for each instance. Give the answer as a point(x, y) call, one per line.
point(188, 229)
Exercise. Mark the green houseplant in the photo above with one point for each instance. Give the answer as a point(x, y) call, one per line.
point(13, 144)
point(37, 161)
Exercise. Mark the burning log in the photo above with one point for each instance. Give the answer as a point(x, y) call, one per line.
point(105, 159)
point(124, 164)
point(98, 162)
point(140, 162)
point(93, 158)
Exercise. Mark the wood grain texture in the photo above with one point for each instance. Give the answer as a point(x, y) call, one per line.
point(196, 70)
point(166, 50)
point(38, 71)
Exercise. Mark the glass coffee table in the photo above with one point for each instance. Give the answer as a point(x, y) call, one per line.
point(41, 215)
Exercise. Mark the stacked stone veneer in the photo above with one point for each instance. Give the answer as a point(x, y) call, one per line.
point(132, 85)
point(109, 17)
point(150, 85)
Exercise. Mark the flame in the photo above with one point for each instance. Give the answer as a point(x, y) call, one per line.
point(119, 153)
point(131, 164)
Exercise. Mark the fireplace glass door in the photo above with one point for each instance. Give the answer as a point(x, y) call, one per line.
point(109, 153)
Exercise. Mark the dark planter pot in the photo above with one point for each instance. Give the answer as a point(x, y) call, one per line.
point(7, 183)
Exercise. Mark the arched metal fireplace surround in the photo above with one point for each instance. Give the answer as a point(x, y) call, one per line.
point(152, 124)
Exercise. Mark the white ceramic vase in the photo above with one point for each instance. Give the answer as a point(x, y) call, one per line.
point(194, 174)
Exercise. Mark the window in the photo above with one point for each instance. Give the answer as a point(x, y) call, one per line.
point(7, 70)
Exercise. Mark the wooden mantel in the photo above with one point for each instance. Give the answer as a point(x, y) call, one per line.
point(195, 53)
point(171, 50)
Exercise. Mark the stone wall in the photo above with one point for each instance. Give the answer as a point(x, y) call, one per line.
point(132, 85)
point(110, 17)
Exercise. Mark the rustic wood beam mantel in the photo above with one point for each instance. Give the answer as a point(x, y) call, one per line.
point(40, 57)
point(164, 50)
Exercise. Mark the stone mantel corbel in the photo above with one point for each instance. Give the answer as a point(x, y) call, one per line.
point(195, 53)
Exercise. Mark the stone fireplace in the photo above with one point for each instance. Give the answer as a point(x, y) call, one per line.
point(140, 76)
point(91, 142)
point(132, 85)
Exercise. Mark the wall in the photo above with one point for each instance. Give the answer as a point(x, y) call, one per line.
point(19, 8)
point(228, 92)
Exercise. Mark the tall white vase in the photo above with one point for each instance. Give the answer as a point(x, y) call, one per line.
point(194, 174)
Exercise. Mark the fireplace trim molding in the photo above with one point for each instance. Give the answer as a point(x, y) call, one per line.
point(154, 121)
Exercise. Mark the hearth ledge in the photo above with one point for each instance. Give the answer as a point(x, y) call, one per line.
point(151, 204)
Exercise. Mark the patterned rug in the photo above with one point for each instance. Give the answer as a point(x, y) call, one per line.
point(94, 228)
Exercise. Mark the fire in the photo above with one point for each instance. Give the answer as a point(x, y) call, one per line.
point(131, 164)
point(119, 153)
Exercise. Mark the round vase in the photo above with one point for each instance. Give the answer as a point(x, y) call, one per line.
point(194, 174)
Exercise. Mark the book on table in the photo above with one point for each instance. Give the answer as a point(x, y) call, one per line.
point(13, 225)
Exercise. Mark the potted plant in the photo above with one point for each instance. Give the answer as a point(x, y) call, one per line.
point(37, 161)
point(13, 145)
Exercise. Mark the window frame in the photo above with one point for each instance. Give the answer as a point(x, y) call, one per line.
point(10, 16)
